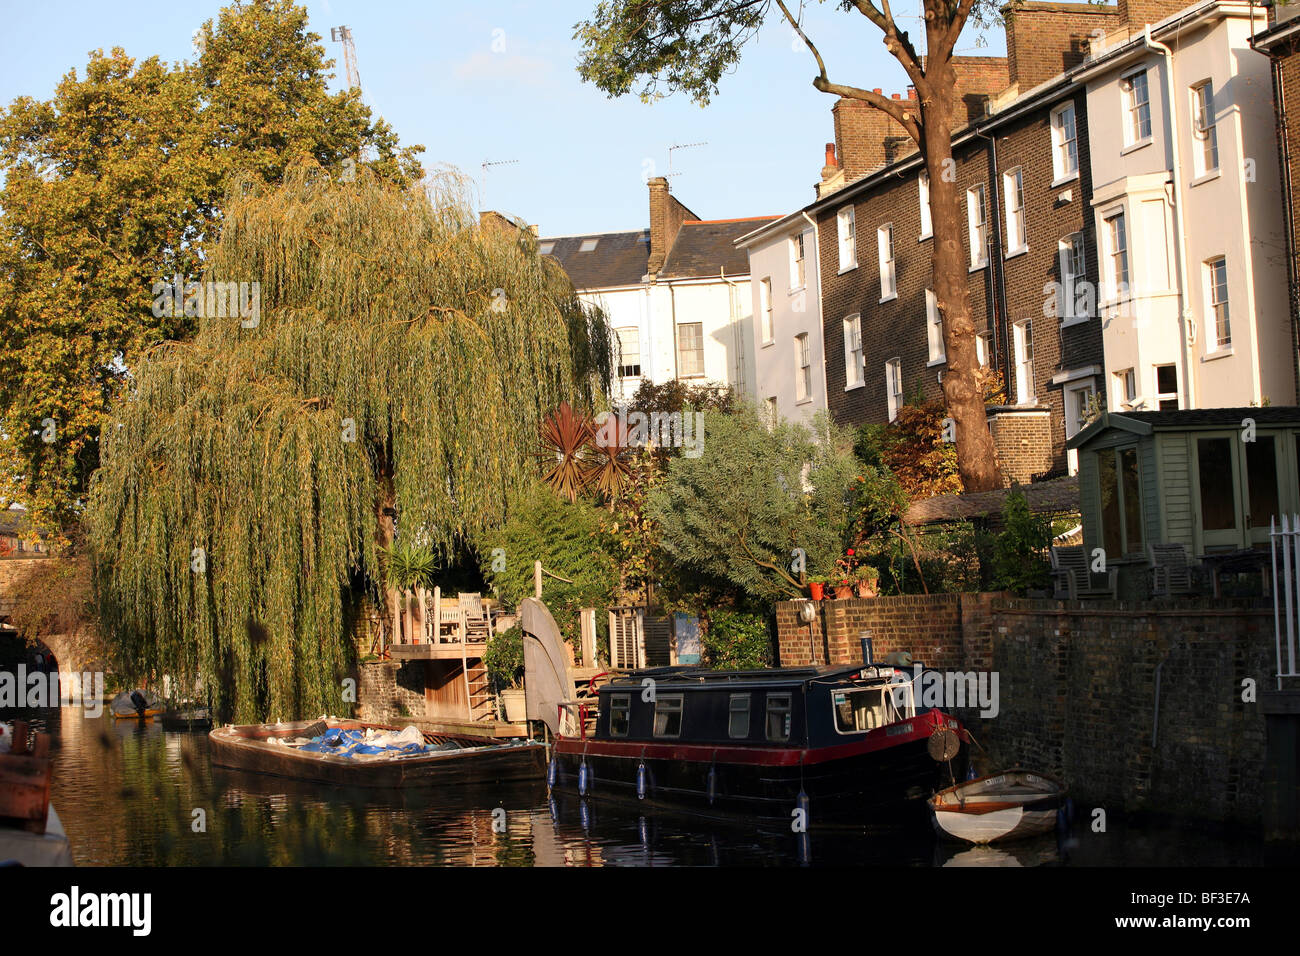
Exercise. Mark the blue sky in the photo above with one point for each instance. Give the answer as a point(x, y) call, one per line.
point(430, 68)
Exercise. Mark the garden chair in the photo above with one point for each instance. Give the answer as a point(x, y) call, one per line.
point(1170, 571)
point(1073, 580)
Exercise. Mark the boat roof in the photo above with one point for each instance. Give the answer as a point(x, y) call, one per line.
point(701, 678)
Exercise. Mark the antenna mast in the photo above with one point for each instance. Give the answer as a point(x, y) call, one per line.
point(487, 164)
point(677, 146)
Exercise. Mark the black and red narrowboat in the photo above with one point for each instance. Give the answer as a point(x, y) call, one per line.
point(846, 745)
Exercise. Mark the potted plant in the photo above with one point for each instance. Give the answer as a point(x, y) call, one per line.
point(817, 587)
point(865, 579)
point(504, 659)
point(845, 568)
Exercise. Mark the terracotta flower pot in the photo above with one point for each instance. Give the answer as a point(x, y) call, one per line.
point(866, 589)
point(815, 589)
point(843, 592)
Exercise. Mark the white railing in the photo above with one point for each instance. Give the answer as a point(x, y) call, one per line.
point(1286, 589)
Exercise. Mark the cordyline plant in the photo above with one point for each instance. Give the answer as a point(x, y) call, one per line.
point(254, 476)
point(658, 46)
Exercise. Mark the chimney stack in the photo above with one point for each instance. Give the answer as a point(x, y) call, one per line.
point(666, 218)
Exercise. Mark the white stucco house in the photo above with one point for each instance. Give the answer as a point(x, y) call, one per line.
point(677, 295)
point(1190, 238)
point(789, 354)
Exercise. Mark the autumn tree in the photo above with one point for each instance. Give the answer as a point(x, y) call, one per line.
point(116, 183)
point(664, 46)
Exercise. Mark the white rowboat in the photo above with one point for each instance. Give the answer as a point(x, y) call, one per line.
point(1007, 806)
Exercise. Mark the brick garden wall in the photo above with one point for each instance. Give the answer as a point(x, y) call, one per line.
point(387, 691)
point(1077, 689)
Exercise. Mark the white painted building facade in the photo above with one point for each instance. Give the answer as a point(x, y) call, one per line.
point(786, 326)
point(1189, 230)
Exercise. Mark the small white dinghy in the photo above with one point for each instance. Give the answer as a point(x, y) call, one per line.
point(1005, 806)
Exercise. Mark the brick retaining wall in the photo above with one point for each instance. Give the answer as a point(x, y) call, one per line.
point(1077, 689)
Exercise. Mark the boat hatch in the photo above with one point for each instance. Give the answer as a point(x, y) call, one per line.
point(868, 708)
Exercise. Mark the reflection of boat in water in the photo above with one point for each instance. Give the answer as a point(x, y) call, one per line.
point(23, 848)
point(1041, 851)
point(349, 753)
point(1005, 806)
point(136, 704)
point(189, 718)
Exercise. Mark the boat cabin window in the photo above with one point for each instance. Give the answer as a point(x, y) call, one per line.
point(668, 715)
point(778, 717)
point(620, 714)
point(857, 711)
point(738, 720)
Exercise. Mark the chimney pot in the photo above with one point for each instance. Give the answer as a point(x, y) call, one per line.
point(876, 91)
point(897, 97)
point(831, 162)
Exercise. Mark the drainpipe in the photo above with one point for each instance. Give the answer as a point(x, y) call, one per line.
point(997, 277)
point(732, 306)
point(672, 304)
point(821, 330)
point(1186, 324)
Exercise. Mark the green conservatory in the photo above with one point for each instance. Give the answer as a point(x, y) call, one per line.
point(1208, 479)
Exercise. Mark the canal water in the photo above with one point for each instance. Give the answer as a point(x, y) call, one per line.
point(136, 795)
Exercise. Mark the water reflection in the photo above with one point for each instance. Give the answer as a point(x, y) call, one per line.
point(130, 793)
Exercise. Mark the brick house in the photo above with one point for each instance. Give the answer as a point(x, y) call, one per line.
point(1281, 41)
point(1021, 162)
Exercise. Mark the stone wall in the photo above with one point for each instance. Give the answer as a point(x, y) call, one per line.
point(1083, 687)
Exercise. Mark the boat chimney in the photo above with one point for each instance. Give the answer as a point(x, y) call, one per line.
point(866, 648)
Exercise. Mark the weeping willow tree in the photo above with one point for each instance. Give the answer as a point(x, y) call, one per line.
point(389, 388)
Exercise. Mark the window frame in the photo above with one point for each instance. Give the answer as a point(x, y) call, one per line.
point(1218, 344)
point(923, 206)
point(661, 699)
point(1136, 112)
point(803, 368)
point(977, 231)
point(846, 225)
point(1205, 128)
point(1022, 333)
point(1160, 396)
point(1116, 454)
point(682, 351)
point(768, 711)
point(767, 317)
point(626, 707)
point(934, 330)
point(1062, 147)
point(731, 715)
point(1116, 289)
point(1014, 206)
point(855, 374)
point(622, 365)
point(1072, 258)
point(888, 264)
point(798, 262)
point(894, 385)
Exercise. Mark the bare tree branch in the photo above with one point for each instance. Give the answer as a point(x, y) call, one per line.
point(885, 104)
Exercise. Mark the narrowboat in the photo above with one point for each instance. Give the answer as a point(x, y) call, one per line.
point(349, 753)
point(1013, 805)
point(844, 745)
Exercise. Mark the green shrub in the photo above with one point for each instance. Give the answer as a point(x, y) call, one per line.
point(734, 640)
point(504, 658)
point(1020, 550)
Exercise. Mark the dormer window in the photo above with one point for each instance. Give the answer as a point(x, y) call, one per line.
point(588, 245)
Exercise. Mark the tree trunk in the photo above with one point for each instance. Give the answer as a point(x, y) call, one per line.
point(386, 533)
point(976, 453)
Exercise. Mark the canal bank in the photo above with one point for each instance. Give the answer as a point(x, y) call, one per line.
point(1147, 707)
